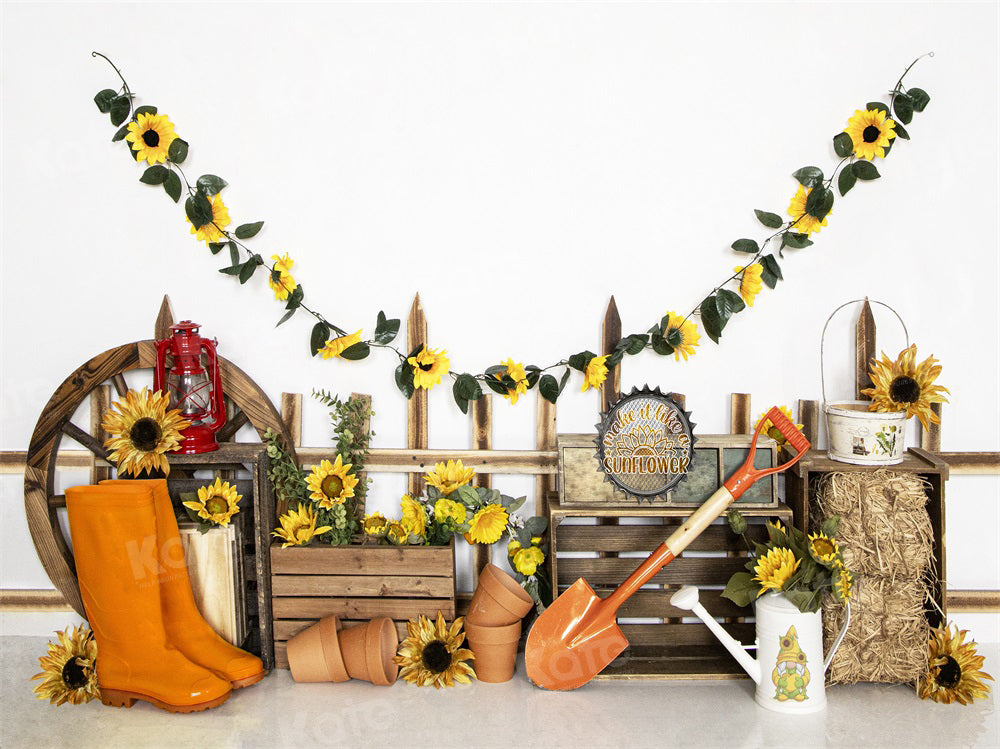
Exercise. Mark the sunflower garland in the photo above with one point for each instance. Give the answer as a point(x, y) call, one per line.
point(69, 669)
point(954, 672)
point(142, 431)
point(869, 134)
point(432, 654)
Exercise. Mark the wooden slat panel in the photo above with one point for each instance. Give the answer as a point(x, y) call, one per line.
point(864, 350)
point(401, 586)
point(648, 537)
point(706, 570)
point(635, 510)
point(545, 440)
point(361, 608)
point(33, 600)
point(164, 319)
point(974, 601)
point(513, 462)
point(291, 415)
point(482, 439)
point(666, 669)
point(233, 425)
point(435, 561)
point(681, 635)
point(416, 407)
point(656, 603)
point(809, 419)
point(100, 401)
point(740, 418)
point(930, 438)
point(286, 629)
point(611, 333)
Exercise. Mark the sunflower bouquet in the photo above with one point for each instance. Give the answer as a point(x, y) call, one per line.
point(802, 567)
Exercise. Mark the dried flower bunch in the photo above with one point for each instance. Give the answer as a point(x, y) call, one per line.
point(869, 135)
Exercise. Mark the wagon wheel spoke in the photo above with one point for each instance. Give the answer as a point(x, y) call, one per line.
point(233, 425)
point(72, 430)
point(56, 501)
point(121, 387)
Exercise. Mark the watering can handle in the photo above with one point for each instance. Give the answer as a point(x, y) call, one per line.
point(840, 637)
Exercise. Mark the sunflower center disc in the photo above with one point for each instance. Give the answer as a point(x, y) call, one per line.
point(74, 673)
point(904, 390)
point(436, 657)
point(332, 486)
point(871, 134)
point(426, 367)
point(216, 505)
point(151, 138)
point(949, 674)
point(144, 434)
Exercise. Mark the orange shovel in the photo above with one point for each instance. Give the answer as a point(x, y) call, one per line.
point(578, 635)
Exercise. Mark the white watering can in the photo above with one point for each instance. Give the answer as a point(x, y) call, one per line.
point(789, 648)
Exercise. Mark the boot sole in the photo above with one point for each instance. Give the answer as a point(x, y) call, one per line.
point(121, 698)
point(240, 683)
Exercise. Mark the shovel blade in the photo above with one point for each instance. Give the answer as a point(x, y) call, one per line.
point(573, 640)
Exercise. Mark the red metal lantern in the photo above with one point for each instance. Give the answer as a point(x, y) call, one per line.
point(192, 389)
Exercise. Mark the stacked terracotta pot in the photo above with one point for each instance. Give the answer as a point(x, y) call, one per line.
point(325, 652)
point(493, 625)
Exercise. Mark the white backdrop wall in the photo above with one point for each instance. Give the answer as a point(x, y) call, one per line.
point(517, 165)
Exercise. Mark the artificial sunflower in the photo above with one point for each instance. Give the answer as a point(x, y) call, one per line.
point(771, 430)
point(903, 385)
point(142, 430)
point(774, 569)
point(285, 283)
point(336, 346)
point(871, 130)
point(298, 527)
point(69, 670)
point(797, 210)
point(398, 534)
point(487, 525)
point(151, 136)
point(414, 516)
point(843, 581)
point(596, 373)
point(823, 549)
point(375, 525)
point(212, 231)
point(515, 370)
point(446, 509)
point(526, 560)
point(447, 478)
point(954, 669)
point(512, 547)
point(750, 281)
point(331, 483)
point(432, 654)
point(682, 334)
point(428, 366)
point(217, 503)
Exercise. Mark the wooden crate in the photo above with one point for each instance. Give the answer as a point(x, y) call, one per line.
point(661, 646)
point(358, 583)
point(716, 456)
point(802, 479)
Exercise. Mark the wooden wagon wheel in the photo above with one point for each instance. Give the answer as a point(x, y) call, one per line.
point(248, 405)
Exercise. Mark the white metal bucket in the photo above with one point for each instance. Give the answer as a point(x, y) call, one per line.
point(863, 437)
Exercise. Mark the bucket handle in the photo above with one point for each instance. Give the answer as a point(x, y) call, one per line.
point(840, 638)
point(822, 340)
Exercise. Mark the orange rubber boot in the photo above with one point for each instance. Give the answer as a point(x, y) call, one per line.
point(114, 543)
point(186, 627)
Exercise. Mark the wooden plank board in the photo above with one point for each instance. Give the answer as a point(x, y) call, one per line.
point(627, 668)
point(416, 406)
point(647, 603)
point(431, 561)
point(648, 537)
point(415, 461)
point(635, 510)
point(682, 635)
point(361, 608)
point(705, 570)
point(359, 586)
point(545, 440)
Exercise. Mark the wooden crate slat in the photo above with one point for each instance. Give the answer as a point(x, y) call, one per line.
point(648, 537)
point(360, 586)
point(682, 635)
point(435, 561)
point(286, 629)
point(656, 603)
point(666, 669)
point(613, 571)
point(360, 608)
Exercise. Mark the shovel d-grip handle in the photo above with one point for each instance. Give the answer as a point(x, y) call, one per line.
point(713, 507)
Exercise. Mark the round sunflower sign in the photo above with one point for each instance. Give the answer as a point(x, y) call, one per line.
point(645, 444)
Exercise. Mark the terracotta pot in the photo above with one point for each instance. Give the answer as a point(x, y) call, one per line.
point(369, 650)
point(314, 653)
point(495, 649)
point(499, 599)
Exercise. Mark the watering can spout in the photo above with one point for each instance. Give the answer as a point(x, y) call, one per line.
point(687, 598)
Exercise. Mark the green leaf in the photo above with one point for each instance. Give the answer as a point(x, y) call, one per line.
point(563, 380)
point(385, 330)
point(903, 107)
point(772, 271)
point(533, 373)
point(234, 254)
point(729, 303)
point(636, 343)
point(178, 150)
point(877, 105)
point(285, 317)
point(318, 338)
point(468, 387)
point(467, 495)
point(404, 379)
point(843, 145)
point(147, 109)
point(865, 170)
point(155, 175)
point(830, 526)
point(355, 351)
point(295, 298)
point(460, 400)
point(900, 133)
point(119, 109)
point(661, 346)
point(795, 240)
point(549, 388)
point(614, 359)
point(741, 589)
point(846, 180)
point(737, 523)
point(580, 361)
point(819, 203)
point(770, 220)
point(495, 385)
point(198, 210)
point(172, 186)
point(716, 311)
point(216, 247)
point(103, 99)
point(249, 268)
point(233, 270)
point(120, 133)
point(210, 184)
point(805, 600)
point(245, 231)
point(536, 525)
point(919, 97)
point(776, 535)
point(809, 176)
point(746, 245)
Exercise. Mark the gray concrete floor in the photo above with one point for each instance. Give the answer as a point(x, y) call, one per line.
point(280, 713)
